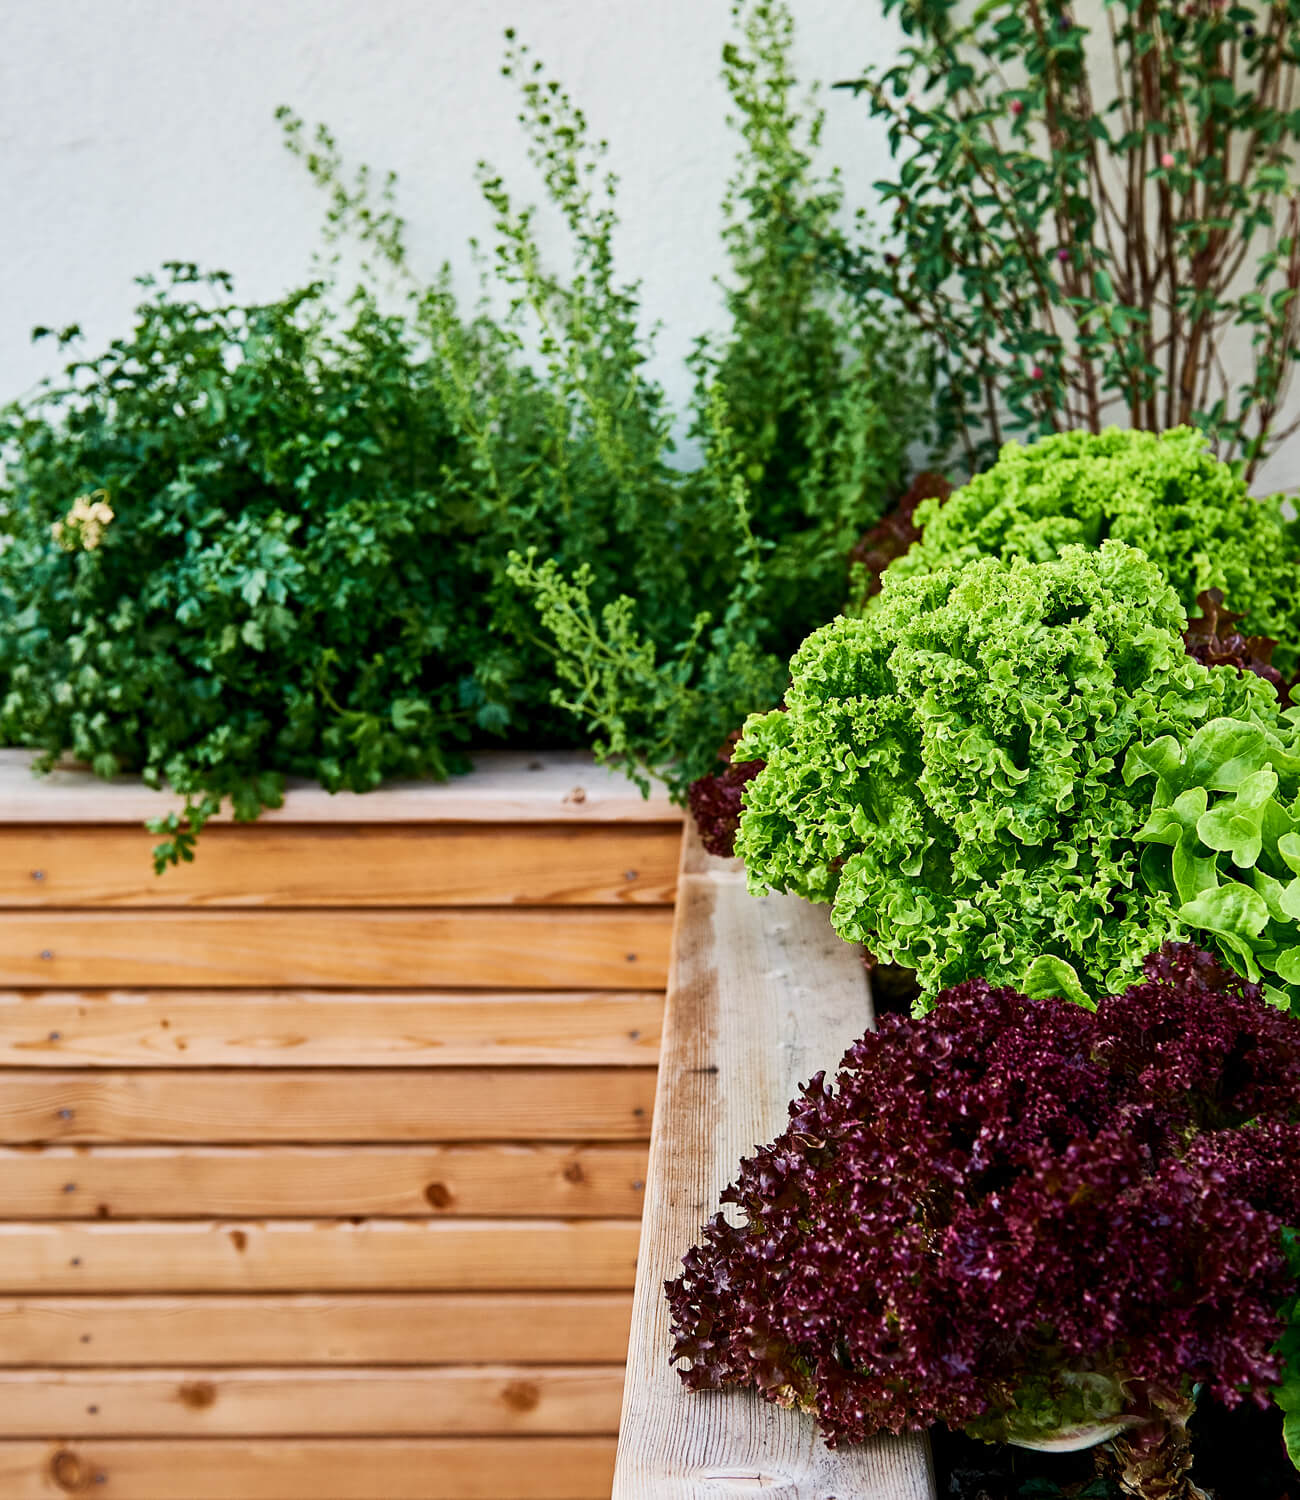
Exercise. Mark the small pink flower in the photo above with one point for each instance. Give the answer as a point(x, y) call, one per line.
point(1062, 254)
point(1168, 160)
point(1036, 373)
point(1016, 106)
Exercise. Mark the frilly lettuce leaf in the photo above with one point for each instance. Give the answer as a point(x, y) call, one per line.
point(966, 774)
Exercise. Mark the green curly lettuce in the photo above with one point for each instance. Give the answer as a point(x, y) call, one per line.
point(949, 773)
point(1165, 494)
point(1223, 841)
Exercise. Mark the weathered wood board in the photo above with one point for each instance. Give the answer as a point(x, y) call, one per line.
point(762, 994)
point(322, 1159)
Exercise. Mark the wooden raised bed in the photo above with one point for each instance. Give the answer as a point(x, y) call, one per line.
point(761, 995)
point(322, 1159)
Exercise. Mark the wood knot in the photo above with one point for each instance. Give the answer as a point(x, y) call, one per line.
point(578, 794)
point(439, 1195)
point(239, 1239)
point(573, 1172)
point(71, 1475)
point(521, 1395)
point(196, 1394)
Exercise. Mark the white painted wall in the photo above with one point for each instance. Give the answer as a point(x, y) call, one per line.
point(136, 131)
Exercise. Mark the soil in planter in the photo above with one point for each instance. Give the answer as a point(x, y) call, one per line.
point(1238, 1456)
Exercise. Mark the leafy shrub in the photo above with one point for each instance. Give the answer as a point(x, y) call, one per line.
point(922, 1244)
point(1088, 224)
point(805, 412)
point(260, 600)
point(1163, 493)
point(259, 541)
point(950, 770)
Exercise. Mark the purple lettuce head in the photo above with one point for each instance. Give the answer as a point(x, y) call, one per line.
point(1013, 1214)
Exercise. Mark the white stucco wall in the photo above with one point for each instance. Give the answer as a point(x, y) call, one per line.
point(136, 131)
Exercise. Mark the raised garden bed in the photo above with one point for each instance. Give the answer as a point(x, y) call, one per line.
point(760, 996)
point(323, 1157)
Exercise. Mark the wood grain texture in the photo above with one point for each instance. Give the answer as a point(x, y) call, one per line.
point(299, 1255)
point(517, 1468)
point(197, 1402)
point(370, 865)
point(566, 948)
point(480, 1181)
point(324, 1028)
point(762, 995)
point(507, 787)
point(234, 1106)
point(391, 1328)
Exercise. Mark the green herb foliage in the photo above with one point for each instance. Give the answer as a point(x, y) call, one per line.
point(1091, 207)
point(805, 413)
point(1165, 494)
point(262, 600)
point(950, 770)
point(311, 504)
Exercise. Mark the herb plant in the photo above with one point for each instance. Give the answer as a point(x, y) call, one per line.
point(805, 413)
point(250, 596)
point(1163, 493)
point(1085, 224)
point(950, 771)
point(922, 1243)
point(260, 541)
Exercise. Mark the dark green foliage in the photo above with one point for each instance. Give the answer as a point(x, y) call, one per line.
point(1094, 212)
point(262, 601)
point(805, 411)
point(313, 502)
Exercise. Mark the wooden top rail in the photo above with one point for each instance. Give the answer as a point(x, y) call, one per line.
point(761, 994)
point(560, 786)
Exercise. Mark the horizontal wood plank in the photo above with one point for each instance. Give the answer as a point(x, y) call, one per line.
point(324, 1028)
point(299, 1255)
point(195, 1402)
point(234, 1106)
point(518, 1181)
point(369, 865)
point(392, 1328)
point(516, 1468)
point(567, 948)
point(506, 787)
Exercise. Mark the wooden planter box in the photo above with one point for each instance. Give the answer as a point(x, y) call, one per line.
point(761, 995)
point(322, 1159)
